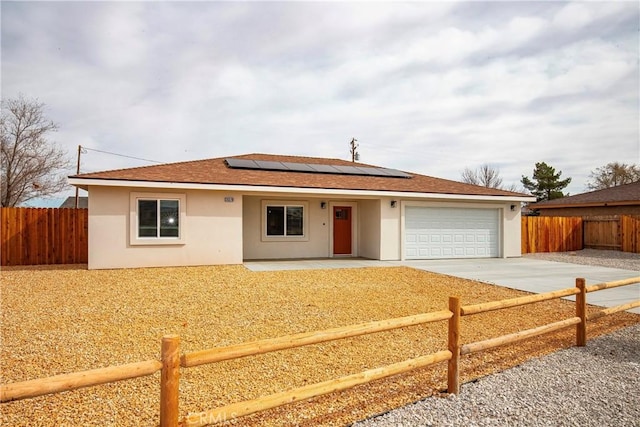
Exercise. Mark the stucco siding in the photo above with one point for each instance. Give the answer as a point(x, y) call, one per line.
point(390, 236)
point(315, 244)
point(511, 231)
point(369, 230)
point(212, 231)
point(225, 227)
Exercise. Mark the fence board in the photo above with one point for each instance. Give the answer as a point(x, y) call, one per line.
point(602, 233)
point(34, 236)
point(551, 234)
point(630, 234)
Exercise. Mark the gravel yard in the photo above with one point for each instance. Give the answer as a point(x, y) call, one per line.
point(610, 259)
point(554, 390)
point(64, 319)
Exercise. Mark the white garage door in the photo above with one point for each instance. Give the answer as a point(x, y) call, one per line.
point(432, 233)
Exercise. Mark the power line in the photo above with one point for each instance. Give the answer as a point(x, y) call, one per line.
point(83, 150)
point(120, 155)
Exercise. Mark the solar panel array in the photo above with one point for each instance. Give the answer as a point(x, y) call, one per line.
point(314, 168)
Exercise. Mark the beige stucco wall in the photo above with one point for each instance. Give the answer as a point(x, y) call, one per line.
point(315, 244)
point(212, 230)
point(390, 238)
point(219, 232)
point(511, 231)
point(369, 229)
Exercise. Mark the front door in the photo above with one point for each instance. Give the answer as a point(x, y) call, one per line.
point(342, 230)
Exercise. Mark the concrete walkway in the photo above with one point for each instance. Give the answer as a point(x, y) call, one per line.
point(526, 274)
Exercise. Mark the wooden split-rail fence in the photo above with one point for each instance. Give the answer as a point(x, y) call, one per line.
point(172, 361)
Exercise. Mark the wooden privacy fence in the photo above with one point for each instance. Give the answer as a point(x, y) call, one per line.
point(620, 233)
point(630, 234)
point(563, 234)
point(33, 236)
point(601, 233)
point(171, 362)
point(551, 234)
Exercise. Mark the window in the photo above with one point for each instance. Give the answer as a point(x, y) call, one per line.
point(157, 218)
point(285, 221)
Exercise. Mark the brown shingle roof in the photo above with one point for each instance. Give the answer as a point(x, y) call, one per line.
point(621, 195)
point(215, 171)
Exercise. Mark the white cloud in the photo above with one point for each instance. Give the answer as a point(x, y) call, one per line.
point(428, 87)
point(573, 16)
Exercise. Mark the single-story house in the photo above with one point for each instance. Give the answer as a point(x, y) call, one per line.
point(620, 200)
point(261, 206)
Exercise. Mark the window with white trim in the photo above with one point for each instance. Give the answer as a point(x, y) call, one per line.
point(157, 218)
point(285, 221)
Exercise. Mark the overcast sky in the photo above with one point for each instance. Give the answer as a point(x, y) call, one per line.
point(427, 87)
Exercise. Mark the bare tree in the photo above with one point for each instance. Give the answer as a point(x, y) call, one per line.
point(32, 166)
point(613, 174)
point(485, 176)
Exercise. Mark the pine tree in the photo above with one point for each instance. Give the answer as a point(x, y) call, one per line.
point(546, 183)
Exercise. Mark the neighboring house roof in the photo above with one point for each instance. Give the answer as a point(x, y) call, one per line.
point(622, 195)
point(70, 202)
point(216, 171)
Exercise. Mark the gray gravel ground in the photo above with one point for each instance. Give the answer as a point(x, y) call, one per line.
point(611, 259)
point(597, 385)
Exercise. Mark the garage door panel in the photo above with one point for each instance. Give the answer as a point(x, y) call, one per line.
point(432, 233)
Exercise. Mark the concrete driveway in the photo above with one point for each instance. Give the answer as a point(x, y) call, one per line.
point(537, 276)
point(526, 274)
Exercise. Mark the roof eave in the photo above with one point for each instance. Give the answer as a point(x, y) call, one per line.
point(588, 205)
point(85, 183)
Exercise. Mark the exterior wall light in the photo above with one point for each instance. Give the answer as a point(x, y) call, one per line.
point(513, 208)
point(394, 203)
point(323, 205)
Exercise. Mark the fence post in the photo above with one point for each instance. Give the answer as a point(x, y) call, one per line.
point(170, 381)
point(581, 312)
point(453, 377)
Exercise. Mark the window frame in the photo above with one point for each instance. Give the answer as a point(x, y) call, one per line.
point(266, 204)
point(134, 221)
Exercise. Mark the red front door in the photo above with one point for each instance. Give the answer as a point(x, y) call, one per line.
point(342, 230)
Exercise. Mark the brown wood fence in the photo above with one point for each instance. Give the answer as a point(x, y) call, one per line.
point(602, 233)
point(33, 236)
point(562, 234)
point(630, 234)
point(551, 234)
point(171, 361)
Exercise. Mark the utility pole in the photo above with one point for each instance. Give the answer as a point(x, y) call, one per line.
point(78, 173)
point(354, 154)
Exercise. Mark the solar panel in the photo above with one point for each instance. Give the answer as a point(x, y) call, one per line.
point(274, 166)
point(367, 171)
point(324, 168)
point(298, 167)
point(241, 163)
point(398, 174)
point(315, 168)
point(382, 172)
point(349, 170)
